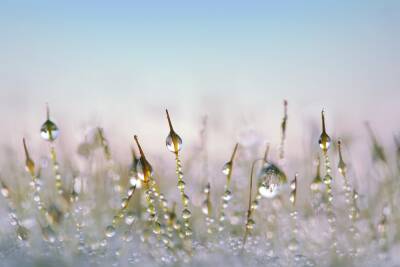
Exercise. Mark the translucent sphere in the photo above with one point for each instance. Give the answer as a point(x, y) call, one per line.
point(110, 231)
point(273, 179)
point(144, 172)
point(324, 141)
point(134, 181)
point(317, 184)
point(129, 218)
point(250, 224)
point(328, 179)
point(227, 195)
point(186, 214)
point(22, 233)
point(226, 169)
point(173, 142)
point(49, 131)
point(48, 234)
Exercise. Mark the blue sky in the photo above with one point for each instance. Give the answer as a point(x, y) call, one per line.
point(125, 61)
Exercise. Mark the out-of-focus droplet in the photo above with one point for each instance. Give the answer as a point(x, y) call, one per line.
point(129, 218)
point(22, 233)
point(134, 181)
point(226, 169)
point(110, 231)
point(5, 192)
point(204, 207)
point(327, 179)
point(181, 185)
point(250, 224)
point(173, 142)
point(157, 228)
point(48, 234)
point(227, 195)
point(317, 184)
point(124, 203)
point(293, 245)
point(186, 214)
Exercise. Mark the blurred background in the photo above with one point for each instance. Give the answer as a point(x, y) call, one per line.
point(118, 65)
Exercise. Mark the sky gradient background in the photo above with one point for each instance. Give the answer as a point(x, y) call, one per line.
point(119, 64)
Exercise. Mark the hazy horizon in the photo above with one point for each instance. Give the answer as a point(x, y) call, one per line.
point(120, 66)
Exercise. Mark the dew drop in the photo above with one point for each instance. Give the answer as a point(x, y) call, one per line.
point(181, 185)
point(317, 184)
point(134, 181)
point(186, 214)
point(292, 197)
point(327, 179)
point(227, 195)
point(227, 168)
point(173, 142)
point(129, 218)
point(157, 228)
point(48, 234)
point(273, 179)
point(110, 231)
point(204, 207)
point(22, 233)
point(141, 170)
point(324, 141)
point(250, 224)
point(4, 191)
point(124, 203)
point(49, 131)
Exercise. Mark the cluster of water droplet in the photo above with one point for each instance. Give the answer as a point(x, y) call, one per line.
point(80, 224)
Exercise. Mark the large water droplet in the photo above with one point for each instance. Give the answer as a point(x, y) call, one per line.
point(273, 179)
point(141, 171)
point(49, 131)
point(173, 142)
point(324, 141)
